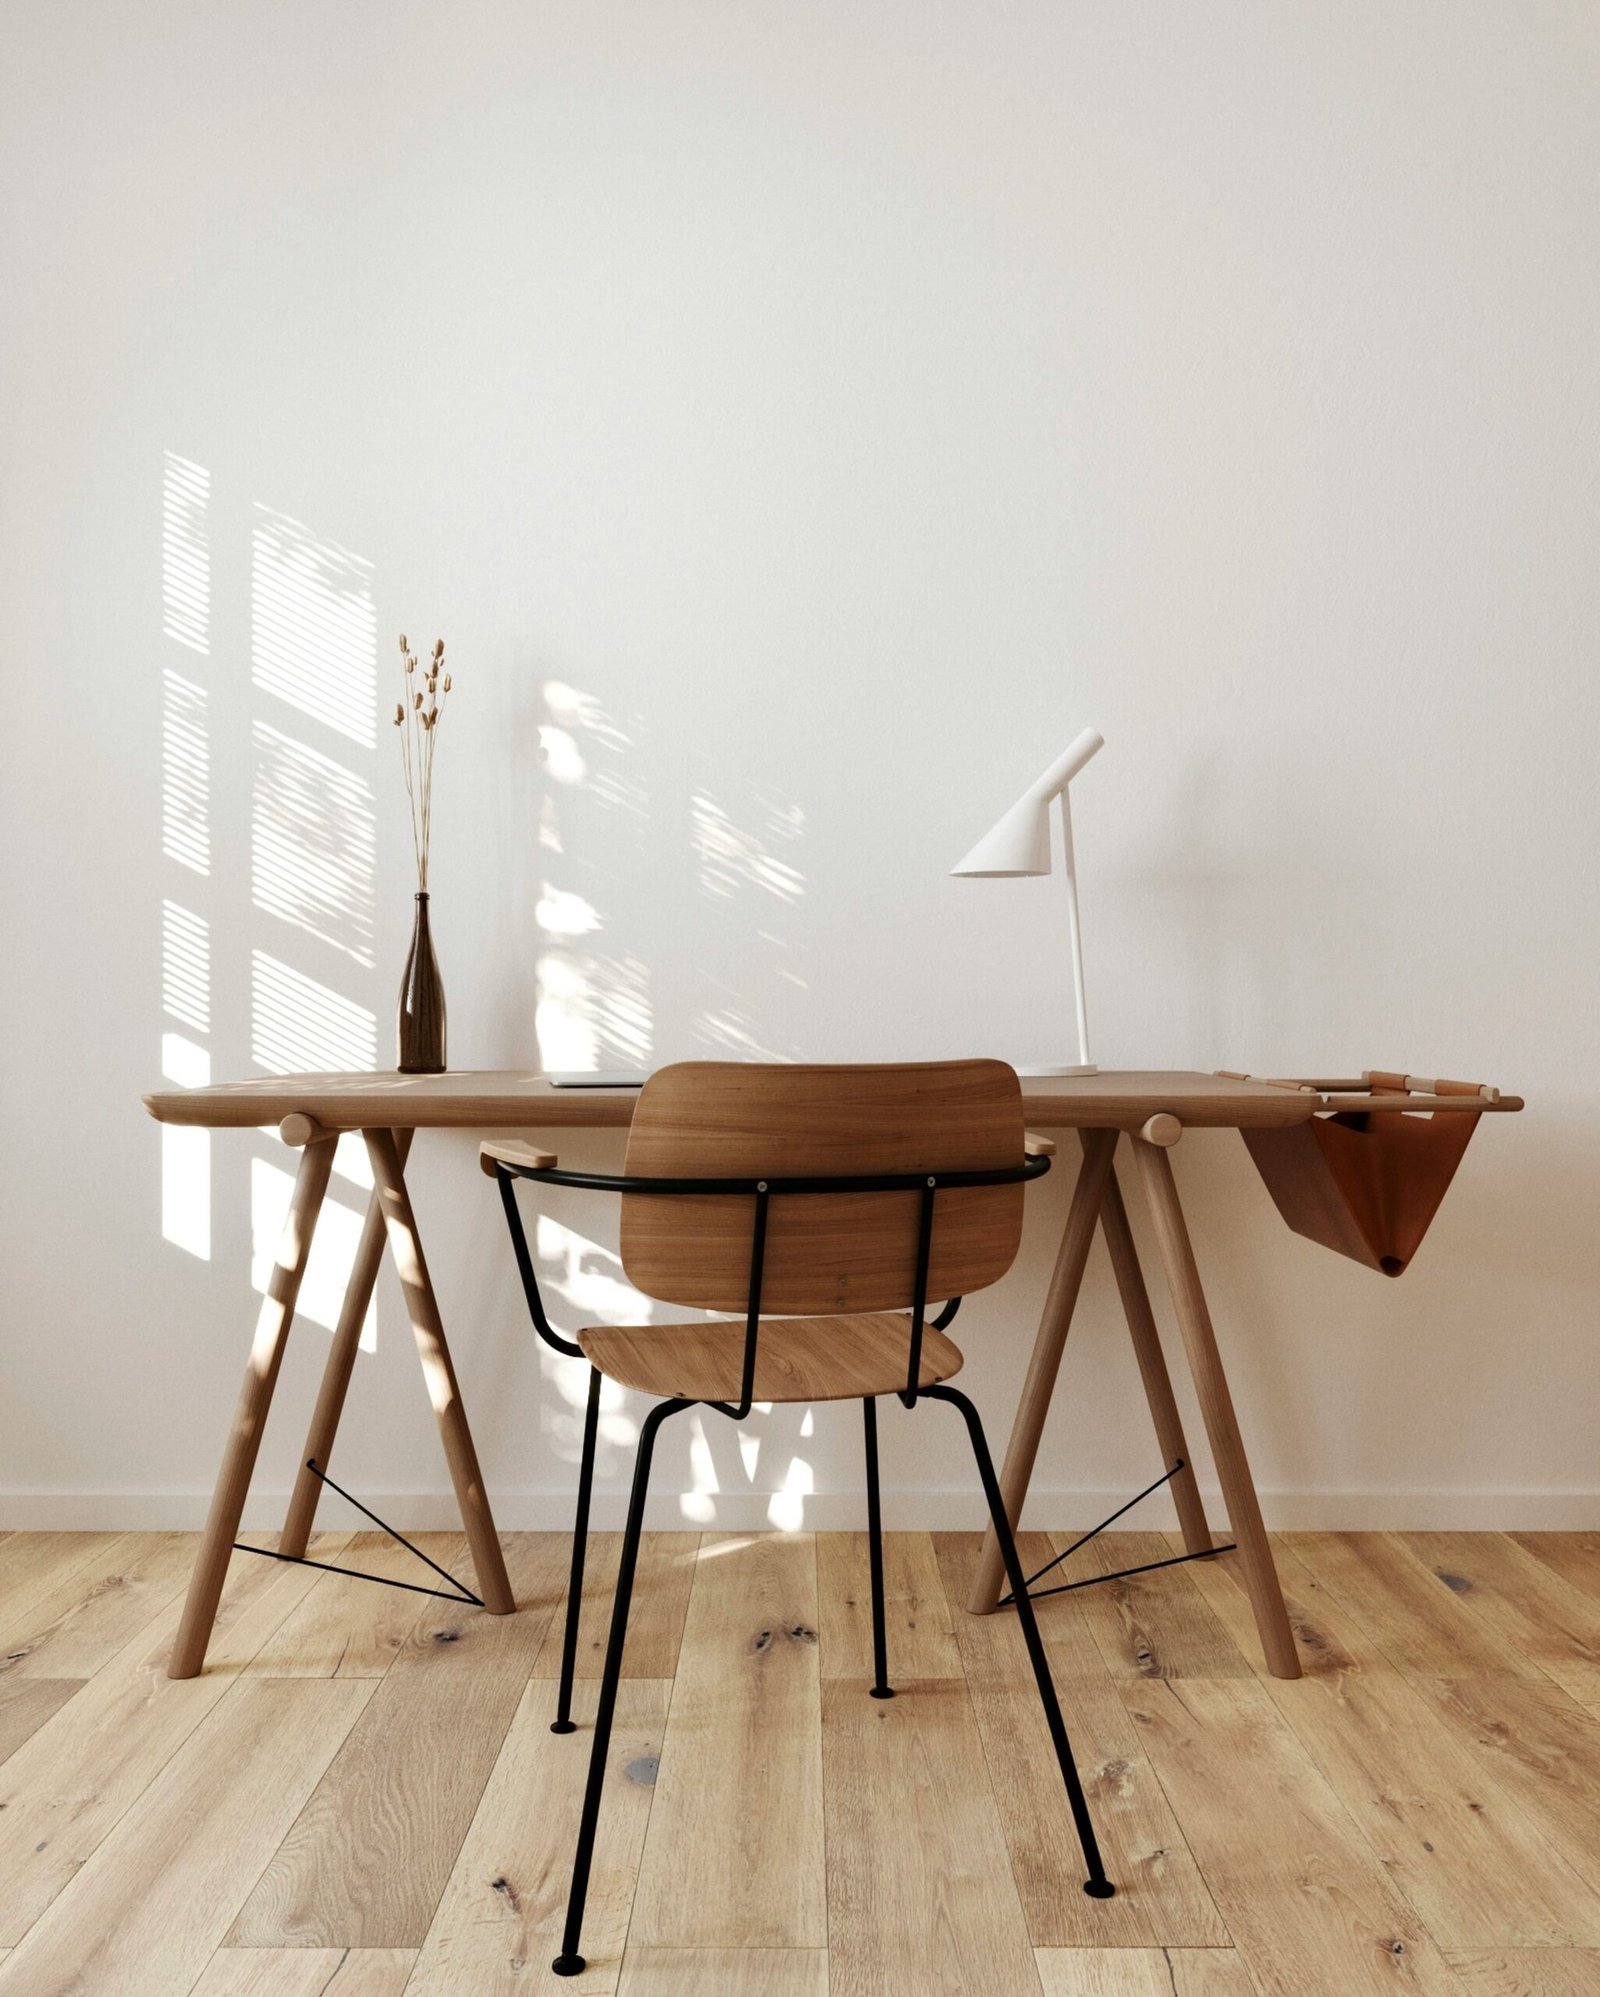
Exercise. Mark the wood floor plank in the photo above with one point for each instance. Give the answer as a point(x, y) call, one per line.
point(742, 1748)
point(306, 1972)
point(1150, 1625)
point(1473, 1865)
point(1528, 1972)
point(62, 1791)
point(726, 1972)
point(499, 1922)
point(356, 1629)
point(32, 1563)
point(920, 1889)
point(70, 1629)
point(1541, 1748)
point(1143, 1972)
point(25, 1705)
point(918, 1621)
point(1522, 1601)
point(1416, 1620)
point(660, 1600)
point(1161, 1898)
point(1575, 1556)
point(148, 1910)
point(1308, 1906)
point(367, 1859)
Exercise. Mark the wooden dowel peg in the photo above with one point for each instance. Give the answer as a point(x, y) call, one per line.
point(1162, 1129)
point(298, 1130)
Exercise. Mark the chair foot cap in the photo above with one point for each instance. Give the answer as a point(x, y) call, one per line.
point(1099, 1889)
point(569, 1965)
point(881, 1692)
point(564, 1727)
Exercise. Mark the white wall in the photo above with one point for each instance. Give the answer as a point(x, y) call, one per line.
point(815, 414)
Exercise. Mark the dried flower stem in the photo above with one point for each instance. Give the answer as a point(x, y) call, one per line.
point(417, 718)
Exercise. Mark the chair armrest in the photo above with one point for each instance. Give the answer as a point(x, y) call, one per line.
point(512, 1151)
point(1035, 1146)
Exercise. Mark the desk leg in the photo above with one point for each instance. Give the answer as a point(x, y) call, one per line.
point(1048, 1345)
point(1153, 1367)
point(250, 1416)
point(1216, 1405)
point(336, 1373)
point(406, 1246)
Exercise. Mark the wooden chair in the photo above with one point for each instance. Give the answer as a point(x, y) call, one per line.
point(843, 1197)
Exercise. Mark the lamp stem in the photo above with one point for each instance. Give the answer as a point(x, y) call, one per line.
point(1074, 932)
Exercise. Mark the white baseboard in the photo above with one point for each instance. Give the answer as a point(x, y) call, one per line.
point(823, 1511)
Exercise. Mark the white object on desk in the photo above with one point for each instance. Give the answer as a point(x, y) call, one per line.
point(597, 1078)
point(1020, 844)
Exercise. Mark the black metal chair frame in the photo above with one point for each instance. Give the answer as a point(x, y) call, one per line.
point(569, 1962)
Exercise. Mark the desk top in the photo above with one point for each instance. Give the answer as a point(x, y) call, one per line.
point(511, 1099)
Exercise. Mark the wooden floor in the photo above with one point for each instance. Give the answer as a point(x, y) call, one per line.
point(361, 1796)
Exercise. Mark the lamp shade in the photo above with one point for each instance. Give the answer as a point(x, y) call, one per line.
point(1020, 842)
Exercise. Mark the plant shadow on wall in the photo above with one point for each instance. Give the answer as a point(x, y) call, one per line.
point(291, 987)
point(720, 860)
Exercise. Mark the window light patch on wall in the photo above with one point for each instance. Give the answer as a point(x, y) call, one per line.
point(298, 1024)
point(313, 636)
point(185, 556)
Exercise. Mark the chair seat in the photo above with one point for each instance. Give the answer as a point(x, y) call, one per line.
point(797, 1358)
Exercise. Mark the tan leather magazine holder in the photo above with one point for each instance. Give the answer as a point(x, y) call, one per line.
point(1367, 1179)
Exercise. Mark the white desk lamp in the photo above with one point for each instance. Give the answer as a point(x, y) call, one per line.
point(1020, 844)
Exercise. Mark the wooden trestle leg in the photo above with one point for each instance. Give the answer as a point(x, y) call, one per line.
point(1153, 1367)
point(255, 1398)
point(1216, 1405)
point(336, 1373)
point(1048, 1345)
point(405, 1245)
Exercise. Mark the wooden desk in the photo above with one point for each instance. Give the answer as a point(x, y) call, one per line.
point(1150, 1106)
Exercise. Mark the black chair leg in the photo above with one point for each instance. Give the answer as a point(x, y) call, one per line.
point(1097, 1886)
point(569, 1962)
point(563, 1723)
point(881, 1688)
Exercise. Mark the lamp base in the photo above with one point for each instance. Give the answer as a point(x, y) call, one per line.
point(1056, 1068)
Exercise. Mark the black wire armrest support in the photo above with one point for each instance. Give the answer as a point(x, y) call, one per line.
point(525, 1269)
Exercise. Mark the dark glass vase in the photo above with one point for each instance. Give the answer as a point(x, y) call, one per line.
point(421, 1019)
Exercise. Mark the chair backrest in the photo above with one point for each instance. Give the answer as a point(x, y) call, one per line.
point(825, 1252)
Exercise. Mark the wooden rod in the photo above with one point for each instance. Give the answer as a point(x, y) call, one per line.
point(1216, 1406)
point(298, 1129)
point(250, 1415)
point(405, 1244)
point(302, 1513)
point(1048, 1345)
point(1153, 1366)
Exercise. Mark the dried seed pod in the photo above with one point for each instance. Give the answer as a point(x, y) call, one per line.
point(411, 664)
point(403, 645)
point(399, 714)
point(447, 682)
point(416, 700)
point(438, 648)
